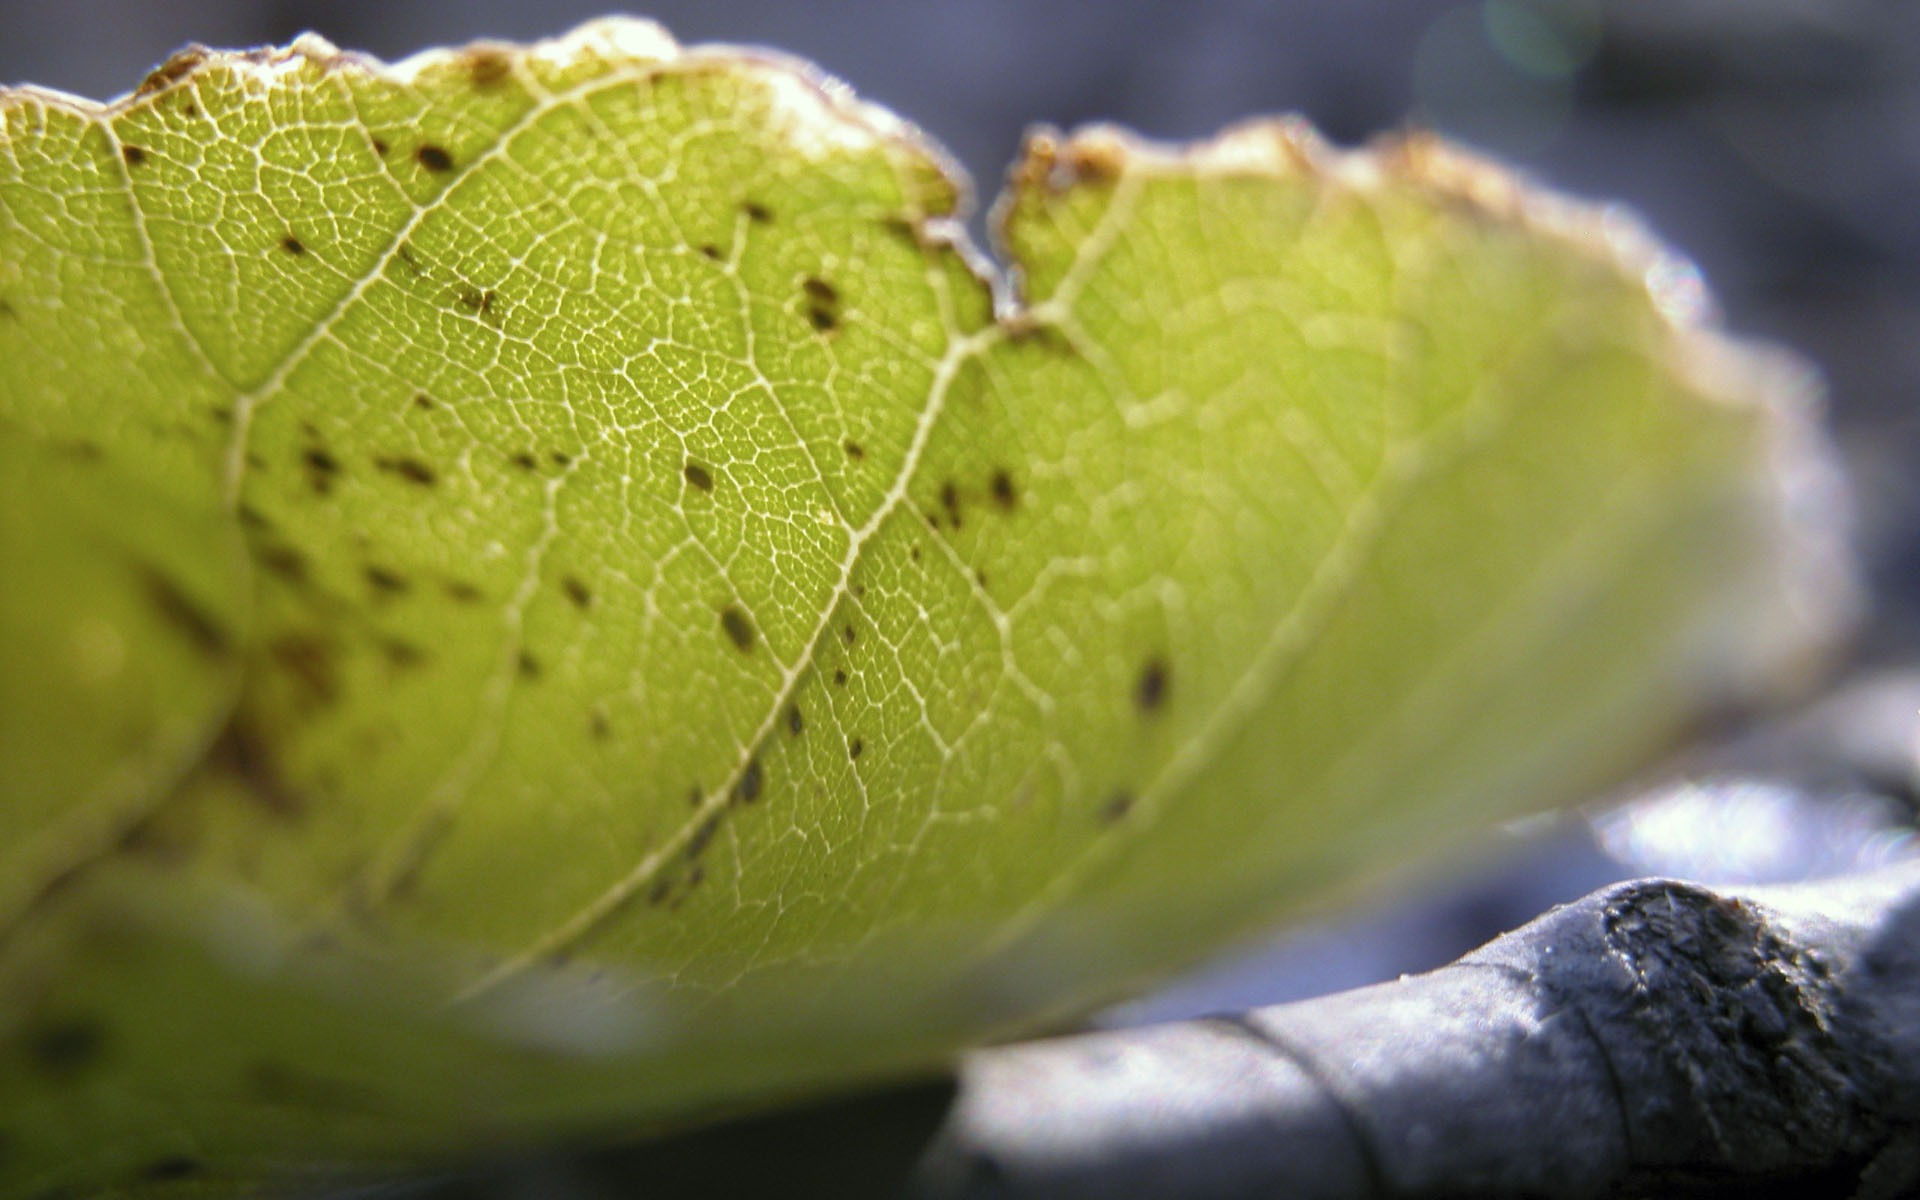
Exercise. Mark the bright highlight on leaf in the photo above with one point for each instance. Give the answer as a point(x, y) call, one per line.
point(549, 587)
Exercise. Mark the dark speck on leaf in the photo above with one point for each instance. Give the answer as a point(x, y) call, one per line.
point(855, 748)
point(402, 654)
point(739, 630)
point(855, 450)
point(173, 1167)
point(385, 580)
point(477, 301)
point(711, 251)
point(839, 678)
point(525, 461)
point(66, 1048)
point(702, 835)
point(184, 613)
point(823, 304)
point(559, 458)
point(1151, 692)
point(849, 634)
point(319, 460)
point(462, 592)
point(423, 402)
point(529, 666)
point(1116, 808)
point(796, 724)
point(380, 147)
point(293, 245)
point(950, 500)
point(284, 561)
point(136, 156)
point(748, 789)
point(698, 476)
point(410, 469)
point(576, 591)
point(309, 660)
point(434, 158)
point(1003, 492)
point(758, 213)
point(598, 725)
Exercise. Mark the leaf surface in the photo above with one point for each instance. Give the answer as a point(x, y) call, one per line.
point(553, 587)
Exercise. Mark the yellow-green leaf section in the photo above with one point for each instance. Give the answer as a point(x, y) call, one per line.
point(549, 586)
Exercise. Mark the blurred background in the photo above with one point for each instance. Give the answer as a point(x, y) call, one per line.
point(1776, 141)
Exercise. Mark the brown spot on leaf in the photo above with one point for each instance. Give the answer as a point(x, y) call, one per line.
point(748, 789)
point(401, 654)
point(855, 450)
point(950, 501)
point(423, 402)
point(702, 835)
point(559, 458)
point(525, 461)
point(598, 725)
point(285, 561)
point(433, 158)
point(322, 469)
point(183, 612)
point(180, 64)
point(849, 635)
point(410, 469)
point(385, 580)
point(310, 661)
point(293, 245)
point(1116, 808)
point(279, 1084)
point(756, 212)
point(698, 476)
point(839, 677)
point(409, 260)
point(796, 724)
point(1002, 489)
point(136, 156)
point(380, 147)
point(171, 1169)
point(576, 591)
point(856, 748)
point(1150, 693)
point(738, 628)
point(461, 592)
point(823, 304)
point(65, 1048)
point(478, 301)
point(528, 666)
point(487, 67)
point(242, 754)
point(711, 251)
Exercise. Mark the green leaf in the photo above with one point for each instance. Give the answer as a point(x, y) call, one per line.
point(550, 587)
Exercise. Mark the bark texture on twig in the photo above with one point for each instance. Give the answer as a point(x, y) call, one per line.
point(1656, 1038)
